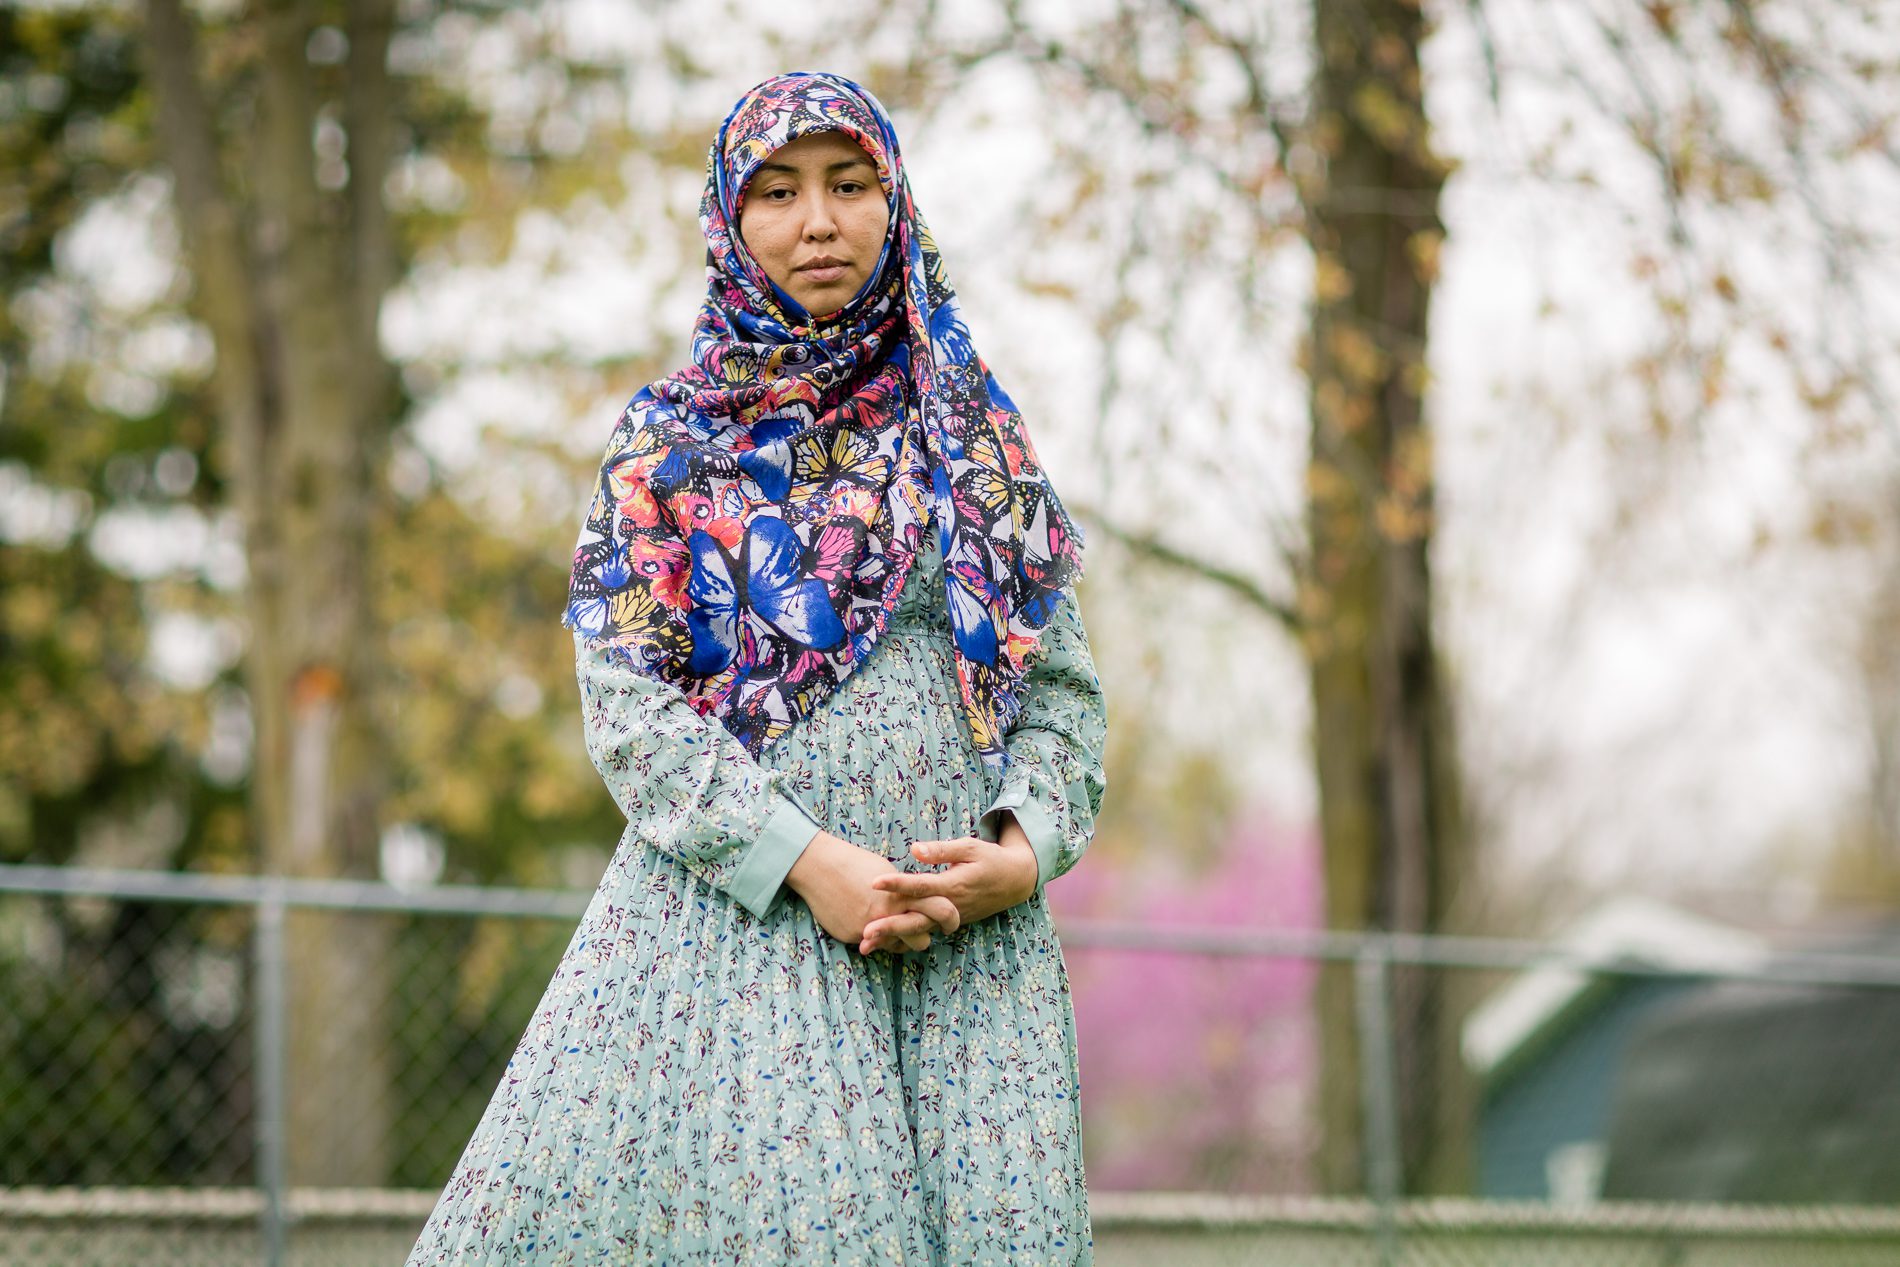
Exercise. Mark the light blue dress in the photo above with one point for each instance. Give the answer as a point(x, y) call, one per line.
point(712, 1079)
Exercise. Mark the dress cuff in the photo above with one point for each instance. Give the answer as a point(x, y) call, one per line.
point(1045, 834)
point(759, 879)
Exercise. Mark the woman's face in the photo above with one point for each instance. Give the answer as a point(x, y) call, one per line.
point(813, 216)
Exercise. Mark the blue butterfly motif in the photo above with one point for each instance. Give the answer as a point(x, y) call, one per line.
point(973, 615)
point(997, 395)
point(614, 571)
point(946, 509)
point(1039, 608)
point(589, 615)
point(771, 463)
point(949, 335)
point(764, 578)
point(671, 472)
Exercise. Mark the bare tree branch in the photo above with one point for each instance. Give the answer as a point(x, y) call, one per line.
point(1244, 587)
point(1488, 46)
point(1778, 72)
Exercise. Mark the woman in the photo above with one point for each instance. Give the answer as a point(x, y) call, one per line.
point(833, 672)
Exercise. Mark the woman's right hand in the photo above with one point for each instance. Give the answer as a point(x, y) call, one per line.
point(834, 877)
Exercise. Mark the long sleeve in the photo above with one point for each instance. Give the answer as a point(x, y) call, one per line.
point(1053, 781)
point(687, 787)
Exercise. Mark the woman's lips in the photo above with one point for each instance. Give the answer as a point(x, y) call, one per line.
point(824, 273)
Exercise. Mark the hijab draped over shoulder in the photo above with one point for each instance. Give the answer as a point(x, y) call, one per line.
point(757, 511)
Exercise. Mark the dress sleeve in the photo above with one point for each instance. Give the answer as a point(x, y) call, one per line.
point(687, 787)
point(1053, 781)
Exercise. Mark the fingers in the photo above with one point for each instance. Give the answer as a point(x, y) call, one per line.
point(912, 927)
point(931, 897)
point(907, 930)
point(933, 893)
point(895, 944)
point(943, 912)
point(903, 924)
point(914, 884)
point(962, 849)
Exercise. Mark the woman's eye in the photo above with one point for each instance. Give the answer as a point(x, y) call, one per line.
point(772, 195)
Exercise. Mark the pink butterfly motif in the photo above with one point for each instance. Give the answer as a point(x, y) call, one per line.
point(836, 550)
point(804, 664)
point(1045, 542)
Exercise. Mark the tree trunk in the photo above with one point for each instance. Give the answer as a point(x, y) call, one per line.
point(290, 284)
point(1388, 782)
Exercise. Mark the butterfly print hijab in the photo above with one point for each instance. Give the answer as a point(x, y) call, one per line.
point(757, 512)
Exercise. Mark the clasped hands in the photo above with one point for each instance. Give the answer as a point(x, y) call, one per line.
point(859, 896)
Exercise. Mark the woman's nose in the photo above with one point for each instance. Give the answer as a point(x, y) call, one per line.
point(820, 224)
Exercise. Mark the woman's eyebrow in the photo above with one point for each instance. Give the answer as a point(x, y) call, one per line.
point(839, 166)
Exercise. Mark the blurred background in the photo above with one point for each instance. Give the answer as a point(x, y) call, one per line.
point(1483, 414)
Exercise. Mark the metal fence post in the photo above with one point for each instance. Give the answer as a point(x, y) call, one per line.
point(1378, 1095)
point(268, 1054)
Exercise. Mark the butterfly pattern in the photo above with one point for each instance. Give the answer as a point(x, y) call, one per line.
point(766, 581)
point(769, 499)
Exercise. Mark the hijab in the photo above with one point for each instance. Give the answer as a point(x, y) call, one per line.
point(757, 512)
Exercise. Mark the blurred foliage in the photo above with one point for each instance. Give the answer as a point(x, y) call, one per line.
point(81, 725)
point(1199, 1070)
point(110, 753)
point(90, 731)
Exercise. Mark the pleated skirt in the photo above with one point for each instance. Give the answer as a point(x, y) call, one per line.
point(702, 1086)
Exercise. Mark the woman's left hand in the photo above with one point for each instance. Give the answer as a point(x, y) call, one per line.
point(980, 877)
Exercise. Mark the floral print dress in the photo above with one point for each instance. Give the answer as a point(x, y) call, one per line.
point(712, 1079)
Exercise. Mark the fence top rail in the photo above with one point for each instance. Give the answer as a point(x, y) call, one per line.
point(1505, 954)
point(1414, 949)
point(259, 890)
point(209, 1204)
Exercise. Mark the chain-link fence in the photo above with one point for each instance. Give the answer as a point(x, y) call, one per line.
point(204, 1070)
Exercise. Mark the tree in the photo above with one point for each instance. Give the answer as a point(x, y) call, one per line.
point(289, 278)
point(1383, 747)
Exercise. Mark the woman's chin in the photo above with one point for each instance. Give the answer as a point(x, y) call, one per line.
point(821, 309)
point(824, 302)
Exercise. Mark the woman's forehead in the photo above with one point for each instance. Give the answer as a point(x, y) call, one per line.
point(792, 107)
point(825, 150)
